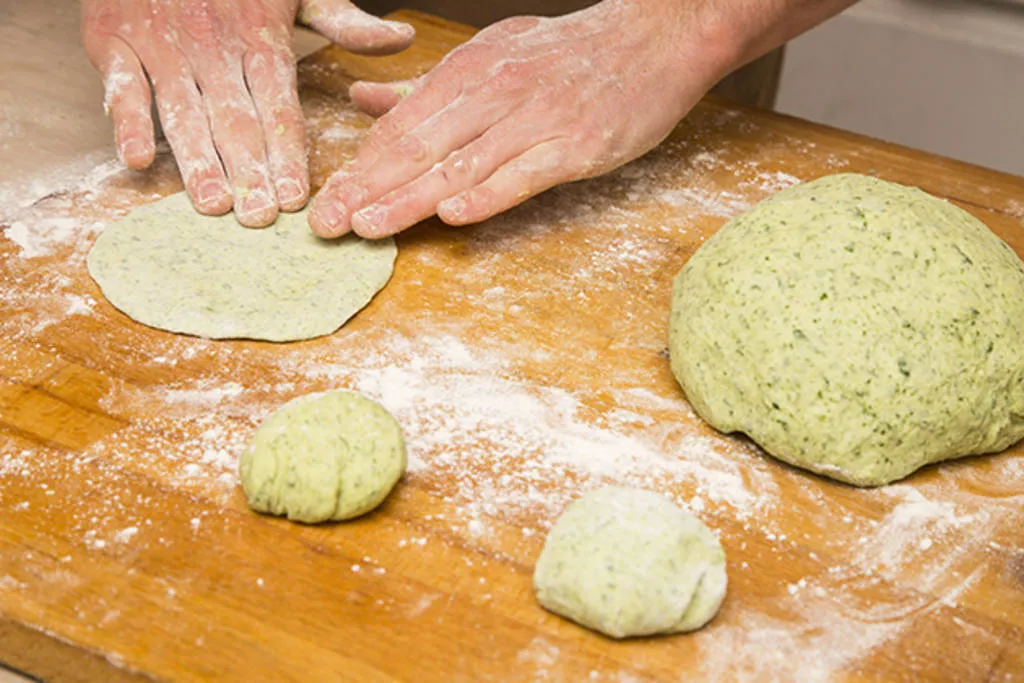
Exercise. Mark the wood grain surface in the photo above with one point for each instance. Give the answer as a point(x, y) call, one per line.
point(526, 361)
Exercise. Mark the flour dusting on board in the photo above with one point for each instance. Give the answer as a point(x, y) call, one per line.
point(502, 441)
point(500, 446)
point(41, 237)
point(88, 174)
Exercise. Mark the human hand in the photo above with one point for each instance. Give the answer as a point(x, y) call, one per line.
point(223, 72)
point(527, 104)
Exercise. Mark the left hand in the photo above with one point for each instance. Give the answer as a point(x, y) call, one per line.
point(223, 76)
point(525, 105)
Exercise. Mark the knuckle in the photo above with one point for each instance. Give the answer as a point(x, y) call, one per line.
point(413, 148)
point(121, 88)
point(201, 24)
point(259, 63)
point(516, 25)
point(172, 77)
point(232, 115)
point(290, 117)
point(508, 76)
point(277, 65)
point(196, 169)
point(387, 128)
point(283, 62)
point(100, 18)
point(590, 137)
point(180, 121)
point(466, 57)
point(514, 70)
point(459, 168)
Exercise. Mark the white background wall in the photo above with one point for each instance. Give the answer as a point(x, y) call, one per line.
point(946, 76)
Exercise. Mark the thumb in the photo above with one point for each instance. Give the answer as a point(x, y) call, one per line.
point(377, 99)
point(353, 29)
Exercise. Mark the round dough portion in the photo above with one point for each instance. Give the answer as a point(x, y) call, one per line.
point(169, 267)
point(628, 562)
point(323, 457)
point(856, 328)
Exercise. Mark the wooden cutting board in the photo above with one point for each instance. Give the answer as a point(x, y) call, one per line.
point(526, 361)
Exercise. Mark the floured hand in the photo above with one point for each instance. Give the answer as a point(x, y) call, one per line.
point(223, 72)
point(527, 104)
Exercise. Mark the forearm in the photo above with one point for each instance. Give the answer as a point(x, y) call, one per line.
point(733, 33)
point(530, 103)
point(759, 26)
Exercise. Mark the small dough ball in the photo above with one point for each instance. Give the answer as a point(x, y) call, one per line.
point(856, 328)
point(328, 456)
point(628, 562)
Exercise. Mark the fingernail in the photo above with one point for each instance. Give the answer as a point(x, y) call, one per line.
point(454, 206)
point(211, 192)
point(132, 149)
point(400, 28)
point(289, 190)
point(368, 221)
point(329, 215)
point(255, 202)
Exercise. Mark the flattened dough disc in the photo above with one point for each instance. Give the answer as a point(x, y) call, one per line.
point(168, 267)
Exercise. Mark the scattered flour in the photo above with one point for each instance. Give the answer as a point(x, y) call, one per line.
point(502, 441)
point(1016, 209)
point(208, 398)
point(540, 653)
point(80, 304)
point(9, 583)
point(89, 174)
point(708, 201)
point(127, 534)
point(499, 447)
point(41, 237)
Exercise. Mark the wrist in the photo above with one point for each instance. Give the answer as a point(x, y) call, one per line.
point(702, 37)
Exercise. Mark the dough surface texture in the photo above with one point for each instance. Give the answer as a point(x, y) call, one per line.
point(628, 562)
point(856, 328)
point(323, 457)
point(168, 267)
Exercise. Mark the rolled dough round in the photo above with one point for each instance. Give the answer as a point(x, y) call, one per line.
point(628, 562)
point(856, 328)
point(328, 456)
point(168, 267)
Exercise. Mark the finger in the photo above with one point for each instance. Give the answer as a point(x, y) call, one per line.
point(462, 170)
point(238, 137)
point(529, 174)
point(402, 160)
point(272, 82)
point(188, 131)
point(353, 29)
point(377, 99)
point(128, 99)
point(432, 92)
point(327, 217)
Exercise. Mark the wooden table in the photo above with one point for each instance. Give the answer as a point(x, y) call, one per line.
point(526, 361)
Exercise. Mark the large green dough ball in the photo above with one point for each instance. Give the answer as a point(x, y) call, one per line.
point(627, 562)
point(855, 327)
point(321, 457)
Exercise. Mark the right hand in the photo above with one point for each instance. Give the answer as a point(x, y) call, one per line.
point(224, 77)
point(526, 104)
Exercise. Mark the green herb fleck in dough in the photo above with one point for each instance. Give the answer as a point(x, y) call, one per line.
point(628, 562)
point(169, 267)
point(912, 320)
point(329, 456)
